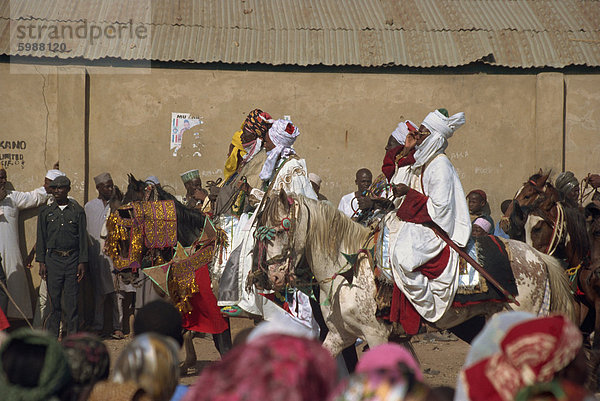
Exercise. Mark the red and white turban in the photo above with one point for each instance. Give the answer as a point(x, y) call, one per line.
point(402, 131)
point(283, 134)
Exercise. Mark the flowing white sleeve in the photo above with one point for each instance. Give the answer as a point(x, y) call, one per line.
point(26, 200)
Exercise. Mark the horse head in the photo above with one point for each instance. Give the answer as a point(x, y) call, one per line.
point(135, 190)
point(513, 220)
point(279, 242)
point(554, 226)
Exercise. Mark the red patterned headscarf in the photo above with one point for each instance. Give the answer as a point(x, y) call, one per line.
point(531, 352)
point(258, 122)
point(274, 367)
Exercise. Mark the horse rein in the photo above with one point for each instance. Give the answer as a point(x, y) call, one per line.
point(558, 227)
point(288, 225)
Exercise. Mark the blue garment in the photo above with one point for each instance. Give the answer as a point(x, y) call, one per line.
point(498, 232)
point(180, 391)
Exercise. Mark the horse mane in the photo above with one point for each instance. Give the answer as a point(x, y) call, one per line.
point(331, 230)
point(577, 229)
point(189, 221)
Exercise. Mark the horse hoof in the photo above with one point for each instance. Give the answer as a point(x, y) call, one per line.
point(188, 368)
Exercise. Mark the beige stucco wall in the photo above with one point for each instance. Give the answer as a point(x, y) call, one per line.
point(345, 120)
point(582, 139)
point(514, 122)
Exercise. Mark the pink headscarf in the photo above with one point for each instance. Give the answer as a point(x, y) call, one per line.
point(274, 367)
point(388, 357)
point(483, 223)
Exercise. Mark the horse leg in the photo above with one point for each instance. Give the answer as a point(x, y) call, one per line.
point(596, 343)
point(190, 353)
point(223, 341)
point(348, 353)
point(467, 331)
point(334, 343)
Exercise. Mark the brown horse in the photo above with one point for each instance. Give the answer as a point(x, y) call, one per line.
point(513, 220)
point(559, 230)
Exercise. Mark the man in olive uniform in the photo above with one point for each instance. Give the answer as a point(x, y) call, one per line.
point(62, 252)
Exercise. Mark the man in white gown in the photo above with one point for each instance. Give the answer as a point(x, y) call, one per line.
point(11, 203)
point(424, 267)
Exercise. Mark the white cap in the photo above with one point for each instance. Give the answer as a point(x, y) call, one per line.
point(314, 178)
point(152, 179)
point(52, 174)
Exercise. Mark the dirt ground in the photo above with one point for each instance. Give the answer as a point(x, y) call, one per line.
point(440, 361)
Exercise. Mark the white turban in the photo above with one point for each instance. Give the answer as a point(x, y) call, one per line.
point(402, 130)
point(441, 128)
point(314, 178)
point(152, 179)
point(52, 174)
point(437, 122)
point(283, 134)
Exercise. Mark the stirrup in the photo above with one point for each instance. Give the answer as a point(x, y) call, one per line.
point(231, 311)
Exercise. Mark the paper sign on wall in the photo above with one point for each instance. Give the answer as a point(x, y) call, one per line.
point(180, 123)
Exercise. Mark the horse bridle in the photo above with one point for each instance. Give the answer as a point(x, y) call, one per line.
point(288, 225)
point(557, 224)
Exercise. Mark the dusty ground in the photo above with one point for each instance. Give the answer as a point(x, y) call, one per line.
point(440, 361)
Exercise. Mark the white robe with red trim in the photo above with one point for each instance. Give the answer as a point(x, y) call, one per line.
point(412, 244)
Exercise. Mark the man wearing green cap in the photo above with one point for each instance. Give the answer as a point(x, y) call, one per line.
point(196, 197)
point(62, 252)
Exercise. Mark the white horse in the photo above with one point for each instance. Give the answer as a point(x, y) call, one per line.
point(321, 233)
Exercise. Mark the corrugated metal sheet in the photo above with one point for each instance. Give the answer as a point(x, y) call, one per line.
point(415, 33)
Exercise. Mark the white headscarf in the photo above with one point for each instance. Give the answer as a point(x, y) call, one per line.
point(283, 134)
point(402, 130)
point(441, 128)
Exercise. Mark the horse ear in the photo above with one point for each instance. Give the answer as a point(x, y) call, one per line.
point(283, 198)
point(543, 178)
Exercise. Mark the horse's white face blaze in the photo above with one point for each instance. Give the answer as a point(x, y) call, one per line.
point(537, 233)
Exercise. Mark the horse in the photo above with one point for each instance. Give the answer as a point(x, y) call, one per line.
point(560, 230)
point(304, 229)
point(513, 220)
point(191, 224)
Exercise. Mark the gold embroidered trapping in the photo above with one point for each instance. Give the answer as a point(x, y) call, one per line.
point(159, 222)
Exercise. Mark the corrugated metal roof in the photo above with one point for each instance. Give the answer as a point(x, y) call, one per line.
point(415, 33)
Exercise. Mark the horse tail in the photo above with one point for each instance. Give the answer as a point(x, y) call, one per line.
point(561, 298)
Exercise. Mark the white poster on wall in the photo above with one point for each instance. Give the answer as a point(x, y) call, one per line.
point(180, 123)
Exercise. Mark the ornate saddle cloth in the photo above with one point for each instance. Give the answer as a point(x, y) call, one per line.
point(491, 254)
point(181, 283)
point(159, 223)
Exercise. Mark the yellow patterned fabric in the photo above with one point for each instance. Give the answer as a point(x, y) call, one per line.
point(121, 230)
point(159, 222)
point(181, 281)
point(231, 164)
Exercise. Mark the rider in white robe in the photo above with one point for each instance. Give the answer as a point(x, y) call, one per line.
point(281, 169)
point(433, 194)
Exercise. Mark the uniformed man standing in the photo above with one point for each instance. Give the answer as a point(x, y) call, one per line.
point(62, 252)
